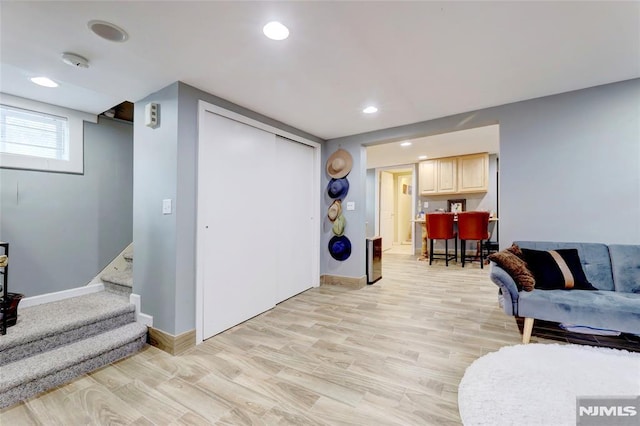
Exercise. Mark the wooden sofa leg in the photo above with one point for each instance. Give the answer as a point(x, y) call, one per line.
point(526, 332)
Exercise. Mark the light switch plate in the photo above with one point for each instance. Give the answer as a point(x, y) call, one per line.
point(351, 205)
point(166, 206)
point(426, 204)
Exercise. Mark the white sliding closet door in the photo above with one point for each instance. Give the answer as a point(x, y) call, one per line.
point(237, 183)
point(293, 192)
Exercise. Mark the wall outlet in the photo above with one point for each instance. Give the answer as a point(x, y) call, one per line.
point(426, 205)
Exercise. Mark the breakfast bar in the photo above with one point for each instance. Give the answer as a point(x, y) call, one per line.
point(424, 236)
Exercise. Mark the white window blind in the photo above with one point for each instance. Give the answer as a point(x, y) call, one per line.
point(35, 134)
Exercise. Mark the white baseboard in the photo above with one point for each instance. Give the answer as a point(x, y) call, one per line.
point(81, 291)
point(61, 295)
point(140, 317)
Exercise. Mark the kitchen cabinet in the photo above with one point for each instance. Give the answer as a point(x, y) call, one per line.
point(473, 173)
point(463, 174)
point(447, 175)
point(428, 175)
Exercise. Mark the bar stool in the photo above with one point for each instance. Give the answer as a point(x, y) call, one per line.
point(440, 227)
point(473, 226)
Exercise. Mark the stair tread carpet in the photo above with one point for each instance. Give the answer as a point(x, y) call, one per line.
point(30, 376)
point(61, 358)
point(50, 319)
point(123, 278)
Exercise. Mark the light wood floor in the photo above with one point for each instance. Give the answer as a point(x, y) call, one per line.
point(391, 353)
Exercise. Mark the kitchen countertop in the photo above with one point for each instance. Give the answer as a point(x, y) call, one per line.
point(491, 219)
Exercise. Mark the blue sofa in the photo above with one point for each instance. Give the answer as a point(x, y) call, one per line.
point(613, 269)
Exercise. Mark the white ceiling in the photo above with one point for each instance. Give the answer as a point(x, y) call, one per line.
point(414, 60)
point(480, 139)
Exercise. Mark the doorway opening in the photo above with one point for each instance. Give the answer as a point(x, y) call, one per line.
point(395, 212)
point(388, 160)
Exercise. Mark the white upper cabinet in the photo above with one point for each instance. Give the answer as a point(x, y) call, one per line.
point(428, 175)
point(447, 175)
point(454, 175)
point(473, 173)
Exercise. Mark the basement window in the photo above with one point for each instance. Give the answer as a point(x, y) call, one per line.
point(24, 132)
point(37, 136)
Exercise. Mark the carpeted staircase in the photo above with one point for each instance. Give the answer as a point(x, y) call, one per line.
point(55, 342)
point(120, 281)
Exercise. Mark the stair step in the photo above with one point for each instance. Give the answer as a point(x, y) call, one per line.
point(120, 282)
point(27, 377)
point(121, 278)
point(128, 256)
point(44, 327)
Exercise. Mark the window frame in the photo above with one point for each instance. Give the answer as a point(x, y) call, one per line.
point(75, 121)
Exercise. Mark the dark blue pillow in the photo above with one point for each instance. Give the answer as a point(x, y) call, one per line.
point(557, 269)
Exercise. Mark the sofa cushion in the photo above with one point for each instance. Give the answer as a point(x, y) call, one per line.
point(594, 258)
point(557, 269)
point(625, 263)
point(602, 309)
point(511, 261)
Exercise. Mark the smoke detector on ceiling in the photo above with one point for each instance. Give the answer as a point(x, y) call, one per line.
point(75, 60)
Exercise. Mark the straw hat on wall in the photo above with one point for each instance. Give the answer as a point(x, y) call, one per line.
point(339, 164)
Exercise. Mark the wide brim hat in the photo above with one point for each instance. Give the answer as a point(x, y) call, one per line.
point(339, 164)
point(338, 188)
point(340, 247)
point(338, 225)
point(335, 210)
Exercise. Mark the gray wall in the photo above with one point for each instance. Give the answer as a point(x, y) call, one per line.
point(166, 167)
point(570, 167)
point(355, 230)
point(155, 153)
point(63, 229)
point(568, 164)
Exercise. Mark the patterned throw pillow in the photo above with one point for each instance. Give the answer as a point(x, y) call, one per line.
point(511, 260)
point(557, 269)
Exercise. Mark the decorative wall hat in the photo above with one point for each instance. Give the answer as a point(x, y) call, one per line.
point(339, 164)
point(335, 210)
point(338, 188)
point(340, 247)
point(338, 225)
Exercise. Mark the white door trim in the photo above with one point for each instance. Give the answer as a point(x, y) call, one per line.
point(414, 203)
point(203, 108)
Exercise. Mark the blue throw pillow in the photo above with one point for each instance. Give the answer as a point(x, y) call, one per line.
point(557, 269)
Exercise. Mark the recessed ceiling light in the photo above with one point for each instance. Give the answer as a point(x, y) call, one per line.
point(275, 31)
point(422, 157)
point(405, 144)
point(370, 110)
point(44, 81)
point(108, 31)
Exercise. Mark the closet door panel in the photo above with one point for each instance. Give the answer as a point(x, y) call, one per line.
point(238, 222)
point(293, 194)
